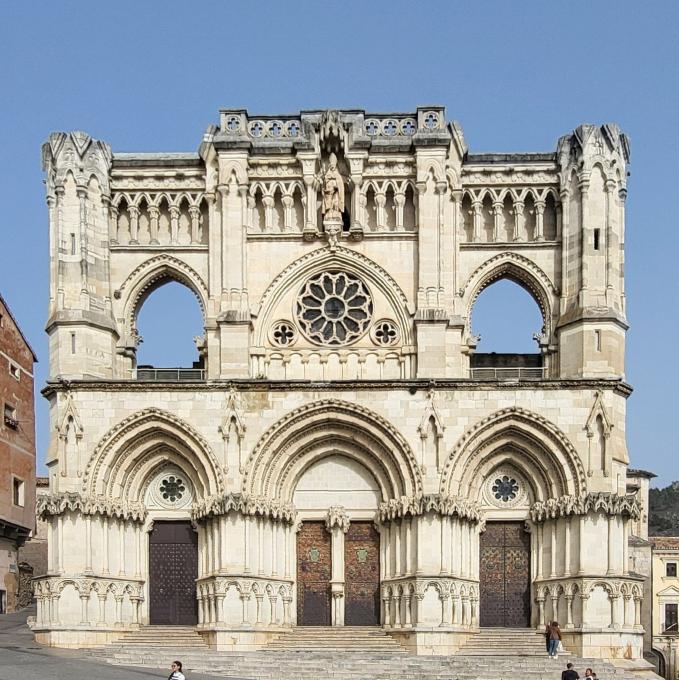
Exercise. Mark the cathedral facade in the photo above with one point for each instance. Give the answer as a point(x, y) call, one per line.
point(341, 454)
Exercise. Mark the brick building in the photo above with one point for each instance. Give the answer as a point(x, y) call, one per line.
point(17, 453)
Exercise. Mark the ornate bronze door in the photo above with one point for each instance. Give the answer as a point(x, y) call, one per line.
point(314, 569)
point(173, 570)
point(362, 575)
point(505, 575)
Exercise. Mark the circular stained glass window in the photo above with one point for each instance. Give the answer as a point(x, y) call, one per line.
point(505, 488)
point(172, 488)
point(334, 308)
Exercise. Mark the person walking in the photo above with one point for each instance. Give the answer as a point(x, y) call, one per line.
point(570, 673)
point(553, 635)
point(176, 673)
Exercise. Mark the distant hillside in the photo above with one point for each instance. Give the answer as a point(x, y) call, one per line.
point(663, 516)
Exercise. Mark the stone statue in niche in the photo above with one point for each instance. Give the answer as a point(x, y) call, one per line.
point(333, 192)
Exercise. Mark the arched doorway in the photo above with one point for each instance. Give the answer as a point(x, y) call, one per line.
point(173, 570)
point(338, 548)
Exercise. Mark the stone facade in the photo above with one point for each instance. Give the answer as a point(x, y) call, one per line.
point(336, 257)
point(665, 604)
point(17, 457)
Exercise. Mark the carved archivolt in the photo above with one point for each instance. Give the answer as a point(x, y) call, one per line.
point(323, 259)
point(151, 273)
point(519, 269)
point(522, 439)
point(605, 503)
point(324, 428)
point(132, 450)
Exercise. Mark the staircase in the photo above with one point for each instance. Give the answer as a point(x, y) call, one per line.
point(336, 639)
point(173, 637)
point(505, 642)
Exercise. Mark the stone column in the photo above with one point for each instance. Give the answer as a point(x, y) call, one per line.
point(519, 221)
point(105, 557)
point(611, 535)
point(174, 224)
point(134, 225)
point(637, 612)
point(88, 544)
point(397, 611)
point(541, 612)
point(386, 615)
point(569, 611)
point(477, 208)
point(154, 213)
point(625, 546)
point(584, 599)
point(539, 220)
point(582, 558)
point(119, 610)
point(552, 560)
point(497, 220)
point(567, 547)
point(615, 614)
point(121, 547)
point(194, 214)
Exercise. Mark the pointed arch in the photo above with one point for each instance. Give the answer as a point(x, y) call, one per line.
point(137, 446)
point(330, 427)
point(323, 259)
point(520, 270)
point(150, 275)
point(524, 440)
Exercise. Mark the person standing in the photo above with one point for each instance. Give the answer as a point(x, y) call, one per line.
point(589, 674)
point(553, 635)
point(176, 673)
point(570, 673)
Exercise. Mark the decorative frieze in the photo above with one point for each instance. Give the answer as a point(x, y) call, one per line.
point(245, 505)
point(605, 503)
point(59, 503)
point(397, 508)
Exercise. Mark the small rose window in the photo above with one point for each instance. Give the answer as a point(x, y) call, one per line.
point(172, 488)
point(334, 308)
point(505, 488)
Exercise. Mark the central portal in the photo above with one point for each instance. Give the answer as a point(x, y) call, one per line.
point(314, 569)
point(505, 575)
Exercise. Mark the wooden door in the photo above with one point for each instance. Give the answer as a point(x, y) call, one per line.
point(314, 570)
point(173, 570)
point(505, 575)
point(362, 575)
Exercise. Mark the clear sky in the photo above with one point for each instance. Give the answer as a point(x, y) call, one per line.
point(150, 76)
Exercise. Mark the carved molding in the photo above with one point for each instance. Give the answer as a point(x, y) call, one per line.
point(397, 508)
point(244, 504)
point(60, 503)
point(601, 502)
point(337, 517)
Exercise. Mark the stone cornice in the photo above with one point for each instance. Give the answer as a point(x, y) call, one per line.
point(413, 506)
point(244, 505)
point(606, 503)
point(251, 385)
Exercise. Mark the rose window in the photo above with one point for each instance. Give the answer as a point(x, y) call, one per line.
point(172, 488)
point(505, 488)
point(334, 308)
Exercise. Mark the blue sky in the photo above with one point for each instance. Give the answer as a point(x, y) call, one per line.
point(150, 76)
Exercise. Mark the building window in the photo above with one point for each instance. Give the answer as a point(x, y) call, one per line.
point(671, 618)
point(671, 569)
point(18, 492)
point(14, 371)
point(11, 416)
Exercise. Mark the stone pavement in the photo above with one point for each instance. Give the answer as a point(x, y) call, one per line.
point(21, 658)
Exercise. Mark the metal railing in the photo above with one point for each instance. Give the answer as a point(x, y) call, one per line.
point(171, 374)
point(495, 373)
